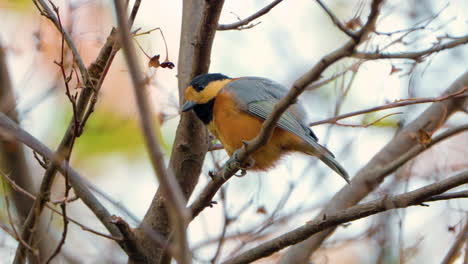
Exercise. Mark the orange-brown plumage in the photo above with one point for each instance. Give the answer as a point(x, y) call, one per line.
point(232, 126)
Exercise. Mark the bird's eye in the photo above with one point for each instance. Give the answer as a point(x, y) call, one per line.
point(199, 88)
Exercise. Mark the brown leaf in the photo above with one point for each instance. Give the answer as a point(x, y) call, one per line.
point(354, 23)
point(167, 64)
point(394, 70)
point(154, 62)
point(424, 137)
point(261, 210)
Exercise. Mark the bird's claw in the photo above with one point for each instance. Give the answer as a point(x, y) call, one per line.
point(233, 163)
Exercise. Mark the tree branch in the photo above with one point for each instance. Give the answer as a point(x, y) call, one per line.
point(385, 203)
point(418, 55)
point(169, 186)
point(243, 24)
point(455, 248)
point(398, 103)
point(448, 196)
point(336, 20)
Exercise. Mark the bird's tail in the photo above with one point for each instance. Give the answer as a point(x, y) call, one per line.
point(334, 165)
point(328, 158)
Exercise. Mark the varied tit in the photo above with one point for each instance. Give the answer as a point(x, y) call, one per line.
point(234, 109)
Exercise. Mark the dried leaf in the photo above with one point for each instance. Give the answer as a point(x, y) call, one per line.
point(154, 62)
point(167, 64)
point(354, 23)
point(261, 210)
point(394, 70)
point(424, 137)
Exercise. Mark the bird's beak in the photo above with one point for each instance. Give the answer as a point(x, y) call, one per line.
point(188, 105)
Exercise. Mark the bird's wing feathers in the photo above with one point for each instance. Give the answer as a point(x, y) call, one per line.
point(258, 96)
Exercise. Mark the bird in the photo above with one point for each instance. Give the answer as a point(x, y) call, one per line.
point(233, 110)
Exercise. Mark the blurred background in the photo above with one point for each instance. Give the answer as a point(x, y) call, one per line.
point(287, 42)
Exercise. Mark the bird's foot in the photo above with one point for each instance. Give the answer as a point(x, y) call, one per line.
point(233, 163)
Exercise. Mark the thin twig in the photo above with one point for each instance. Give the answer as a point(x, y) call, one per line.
point(17, 236)
point(398, 103)
point(354, 67)
point(462, 238)
point(48, 13)
point(242, 24)
point(67, 79)
point(447, 196)
point(418, 55)
point(336, 20)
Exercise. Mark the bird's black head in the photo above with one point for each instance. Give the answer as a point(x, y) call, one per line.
point(201, 81)
point(201, 93)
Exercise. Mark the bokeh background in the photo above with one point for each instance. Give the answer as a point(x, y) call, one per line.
point(285, 44)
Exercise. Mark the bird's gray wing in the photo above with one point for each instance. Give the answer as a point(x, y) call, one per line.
point(258, 96)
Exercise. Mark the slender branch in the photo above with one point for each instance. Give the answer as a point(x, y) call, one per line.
point(354, 67)
point(418, 55)
point(17, 236)
point(448, 196)
point(398, 103)
point(385, 203)
point(243, 24)
point(174, 197)
point(455, 248)
point(419, 148)
point(336, 20)
point(48, 13)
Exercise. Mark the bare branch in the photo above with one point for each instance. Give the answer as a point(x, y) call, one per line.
point(243, 24)
point(336, 21)
point(48, 13)
point(17, 236)
point(455, 248)
point(448, 196)
point(398, 103)
point(418, 55)
point(171, 190)
point(385, 203)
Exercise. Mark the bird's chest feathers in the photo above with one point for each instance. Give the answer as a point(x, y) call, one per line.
point(230, 124)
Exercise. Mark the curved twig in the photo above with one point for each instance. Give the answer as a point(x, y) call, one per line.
point(242, 23)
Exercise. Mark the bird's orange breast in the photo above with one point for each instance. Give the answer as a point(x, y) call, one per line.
point(232, 125)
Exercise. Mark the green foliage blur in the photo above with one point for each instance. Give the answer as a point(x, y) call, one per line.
point(110, 133)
